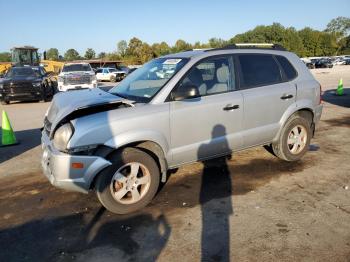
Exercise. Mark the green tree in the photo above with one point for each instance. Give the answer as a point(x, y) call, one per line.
point(181, 45)
point(90, 53)
point(217, 42)
point(122, 47)
point(146, 53)
point(5, 57)
point(114, 56)
point(275, 33)
point(101, 55)
point(340, 25)
point(160, 49)
point(71, 54)
point(52, 54)
point(134, 47)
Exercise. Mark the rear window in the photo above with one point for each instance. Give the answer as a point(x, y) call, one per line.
point(287, 67)
point(258, 70)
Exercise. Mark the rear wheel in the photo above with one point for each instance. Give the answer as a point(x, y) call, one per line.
point(129, 183)
point(294, 140)
point(113, 79)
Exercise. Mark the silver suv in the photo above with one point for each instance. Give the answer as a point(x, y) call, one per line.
point(177, 109)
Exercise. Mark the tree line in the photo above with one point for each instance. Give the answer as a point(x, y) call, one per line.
point(307, 42)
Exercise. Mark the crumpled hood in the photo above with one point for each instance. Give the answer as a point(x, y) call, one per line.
point(66, 103)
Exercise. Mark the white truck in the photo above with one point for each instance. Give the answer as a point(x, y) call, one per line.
point(110, 74)
point(76, 76)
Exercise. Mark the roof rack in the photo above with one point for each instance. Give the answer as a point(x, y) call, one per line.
point(251, 46)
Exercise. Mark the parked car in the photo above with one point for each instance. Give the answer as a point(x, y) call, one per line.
point(338, 61)
point(76, 76)
point(309, 64)
point(26, 83)
point(109, 74)
point(324, 63)
point(347, 61)
point(121, 143)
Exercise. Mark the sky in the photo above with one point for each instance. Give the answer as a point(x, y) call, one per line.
point(100, 25)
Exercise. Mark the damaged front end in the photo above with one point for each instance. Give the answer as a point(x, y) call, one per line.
point(57, 122)
point(73, 168)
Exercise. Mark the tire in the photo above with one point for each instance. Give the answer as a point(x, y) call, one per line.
point(5, 102)
point(112, 79)
point(287, 147)
point(108, 184)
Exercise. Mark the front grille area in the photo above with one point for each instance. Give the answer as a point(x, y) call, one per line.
point(77, 80)
point(19, 87)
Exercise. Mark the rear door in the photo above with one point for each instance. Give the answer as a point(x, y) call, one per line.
point(266, 94)
point(211, 124)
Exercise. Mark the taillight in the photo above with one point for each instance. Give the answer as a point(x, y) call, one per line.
point(321, 93)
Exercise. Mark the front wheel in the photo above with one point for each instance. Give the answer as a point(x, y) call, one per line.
point(5, 102)
point(294, 140)
point(130, 183)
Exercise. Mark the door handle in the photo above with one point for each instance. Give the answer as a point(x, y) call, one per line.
point(284, 97)
point(230, 107)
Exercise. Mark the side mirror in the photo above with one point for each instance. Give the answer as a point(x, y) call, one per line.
point(186, 92)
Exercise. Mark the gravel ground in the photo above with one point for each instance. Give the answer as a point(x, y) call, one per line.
point(252, 207)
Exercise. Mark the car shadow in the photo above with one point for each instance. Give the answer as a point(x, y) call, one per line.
point(331, 97)
point(137, 237)
point(215, 236)
point(27, 139)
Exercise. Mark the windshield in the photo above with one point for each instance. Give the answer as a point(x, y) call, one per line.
point(145, 82)
point(23, 72)
point(76, 67)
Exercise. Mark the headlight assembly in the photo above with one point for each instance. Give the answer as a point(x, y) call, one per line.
point(36, 84)
point(1, 86)
point(62, 136)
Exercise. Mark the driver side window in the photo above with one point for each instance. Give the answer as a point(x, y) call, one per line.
point(210, 76)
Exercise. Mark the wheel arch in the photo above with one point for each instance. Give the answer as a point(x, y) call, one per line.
point(150, 147)
point(304, 111)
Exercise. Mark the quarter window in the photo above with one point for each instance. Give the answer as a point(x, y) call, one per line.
point(258, 70)
point(288, 69)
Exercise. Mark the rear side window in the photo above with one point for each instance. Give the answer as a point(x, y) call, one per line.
point(258, 70)
point(287, 67)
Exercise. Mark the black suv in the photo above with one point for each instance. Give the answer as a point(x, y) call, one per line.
point(26, 83)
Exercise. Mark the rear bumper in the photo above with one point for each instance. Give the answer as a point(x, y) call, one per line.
point(57, 167)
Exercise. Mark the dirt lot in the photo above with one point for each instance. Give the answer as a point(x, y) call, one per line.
point(252, 207)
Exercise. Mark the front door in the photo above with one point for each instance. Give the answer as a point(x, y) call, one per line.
point(211, 124)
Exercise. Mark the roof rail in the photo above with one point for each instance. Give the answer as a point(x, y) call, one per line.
point(251, 46)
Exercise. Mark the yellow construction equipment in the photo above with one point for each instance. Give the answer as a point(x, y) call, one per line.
point(28, 55)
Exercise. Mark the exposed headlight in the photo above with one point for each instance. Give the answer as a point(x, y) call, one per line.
point(37, 84)
point(62, 136)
